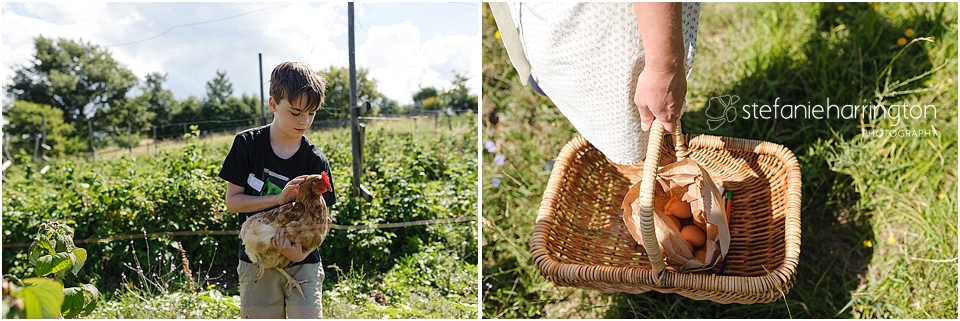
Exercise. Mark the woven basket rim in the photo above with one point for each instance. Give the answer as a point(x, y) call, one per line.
point(774, 280)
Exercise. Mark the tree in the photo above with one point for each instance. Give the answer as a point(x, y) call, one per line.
point(25, 122)
point(78, 78)
point(158, 101)
point(226, 109)
point(337, 97)
point(458, 98)
point(423, 95)
point(191, 110)
point(125, 121)
point(389, 106)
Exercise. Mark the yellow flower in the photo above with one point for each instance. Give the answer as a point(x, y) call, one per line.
point(840, 7)
point(210, 287)
point(497, 34)
point(902, 41)
point(890, 14)
point(911, 19)
point(891, 240)
point(867, 243)
point(942, 196)
point(875, 4)
point(908, 33)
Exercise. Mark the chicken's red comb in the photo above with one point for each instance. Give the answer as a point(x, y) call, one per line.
point(326, 180)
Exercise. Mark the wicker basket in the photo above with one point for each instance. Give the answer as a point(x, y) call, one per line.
point(580, 239)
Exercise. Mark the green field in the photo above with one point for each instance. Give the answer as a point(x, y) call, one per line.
point(417, 171)
point(879, 214)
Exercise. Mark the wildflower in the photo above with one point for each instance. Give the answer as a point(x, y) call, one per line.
point(489, 286)
point(911, 19)
point(875, 4)
point(495, 181)
point(908, 33)
point(867, 243)
point(497, 34)
point(942, 196)
point(490, 146)
point(211, 286)
point(499, 159)
point(902, 41)
point(890, 14)
point(891, 240)
point(840, 7)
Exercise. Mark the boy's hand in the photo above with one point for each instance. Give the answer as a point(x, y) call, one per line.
point(291, 250)
point(289, 192)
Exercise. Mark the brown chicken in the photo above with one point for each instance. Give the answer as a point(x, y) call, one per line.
point(306, 219)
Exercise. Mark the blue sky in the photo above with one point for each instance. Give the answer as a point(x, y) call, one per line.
point(405, 46)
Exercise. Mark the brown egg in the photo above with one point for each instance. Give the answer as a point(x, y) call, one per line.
point(675, 220)
point(689, 246)
point(679, 208)
point(700, 253)
point(694, 235)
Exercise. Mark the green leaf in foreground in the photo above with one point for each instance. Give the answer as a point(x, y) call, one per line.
point(42, 298)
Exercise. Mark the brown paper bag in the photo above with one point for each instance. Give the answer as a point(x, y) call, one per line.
point(691, 183)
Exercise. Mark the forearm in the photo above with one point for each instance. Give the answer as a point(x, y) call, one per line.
point(242, 203)
point(661, 31)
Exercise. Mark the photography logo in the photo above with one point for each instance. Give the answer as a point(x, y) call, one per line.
point(721, 110)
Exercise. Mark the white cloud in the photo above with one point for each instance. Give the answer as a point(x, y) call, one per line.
point(402, 63)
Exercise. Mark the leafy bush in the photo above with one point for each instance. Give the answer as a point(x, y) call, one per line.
point(415, 177)
point(52, 254)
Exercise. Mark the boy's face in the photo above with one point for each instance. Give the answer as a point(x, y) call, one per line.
point(291, 119)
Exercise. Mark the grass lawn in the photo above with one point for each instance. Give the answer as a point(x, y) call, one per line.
point(879, 213)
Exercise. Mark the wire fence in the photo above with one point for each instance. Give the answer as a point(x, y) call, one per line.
point(237, 232)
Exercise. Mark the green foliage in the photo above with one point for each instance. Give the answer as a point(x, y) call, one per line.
point(227, 110)
point(72, 76)
point(414, 178)
point(420, 98)
point(41, 297)
point(337, 97)
point(458, 96)
point(132, 304)
point(180, 191)
point(27, 119)
point(52, 253)
point(120, 197)
point(435, 283)
point(430, 268)
point(159, 100)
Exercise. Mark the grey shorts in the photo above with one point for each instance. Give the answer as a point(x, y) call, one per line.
point(265, 298)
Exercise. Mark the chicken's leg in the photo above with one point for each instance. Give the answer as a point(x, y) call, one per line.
point(292, 283)
point(259, 271)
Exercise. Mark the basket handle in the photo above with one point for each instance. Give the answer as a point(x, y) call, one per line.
point(647, 188)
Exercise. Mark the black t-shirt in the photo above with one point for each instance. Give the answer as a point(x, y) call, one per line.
point(252, 164)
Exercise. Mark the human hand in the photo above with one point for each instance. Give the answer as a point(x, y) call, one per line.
point(662, 84)
point(660, 93)
point(290, 191)
point(290, 250)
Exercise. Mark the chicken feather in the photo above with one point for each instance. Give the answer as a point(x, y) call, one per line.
point(306, 219)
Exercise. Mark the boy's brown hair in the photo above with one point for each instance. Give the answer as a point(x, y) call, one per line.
point(294, 81)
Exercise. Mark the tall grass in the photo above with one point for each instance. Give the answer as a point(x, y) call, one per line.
point(879, 214)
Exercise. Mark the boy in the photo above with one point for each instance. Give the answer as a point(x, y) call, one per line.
point(258, 170)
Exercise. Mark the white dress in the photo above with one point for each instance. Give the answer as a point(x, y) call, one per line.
point(586, 57)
